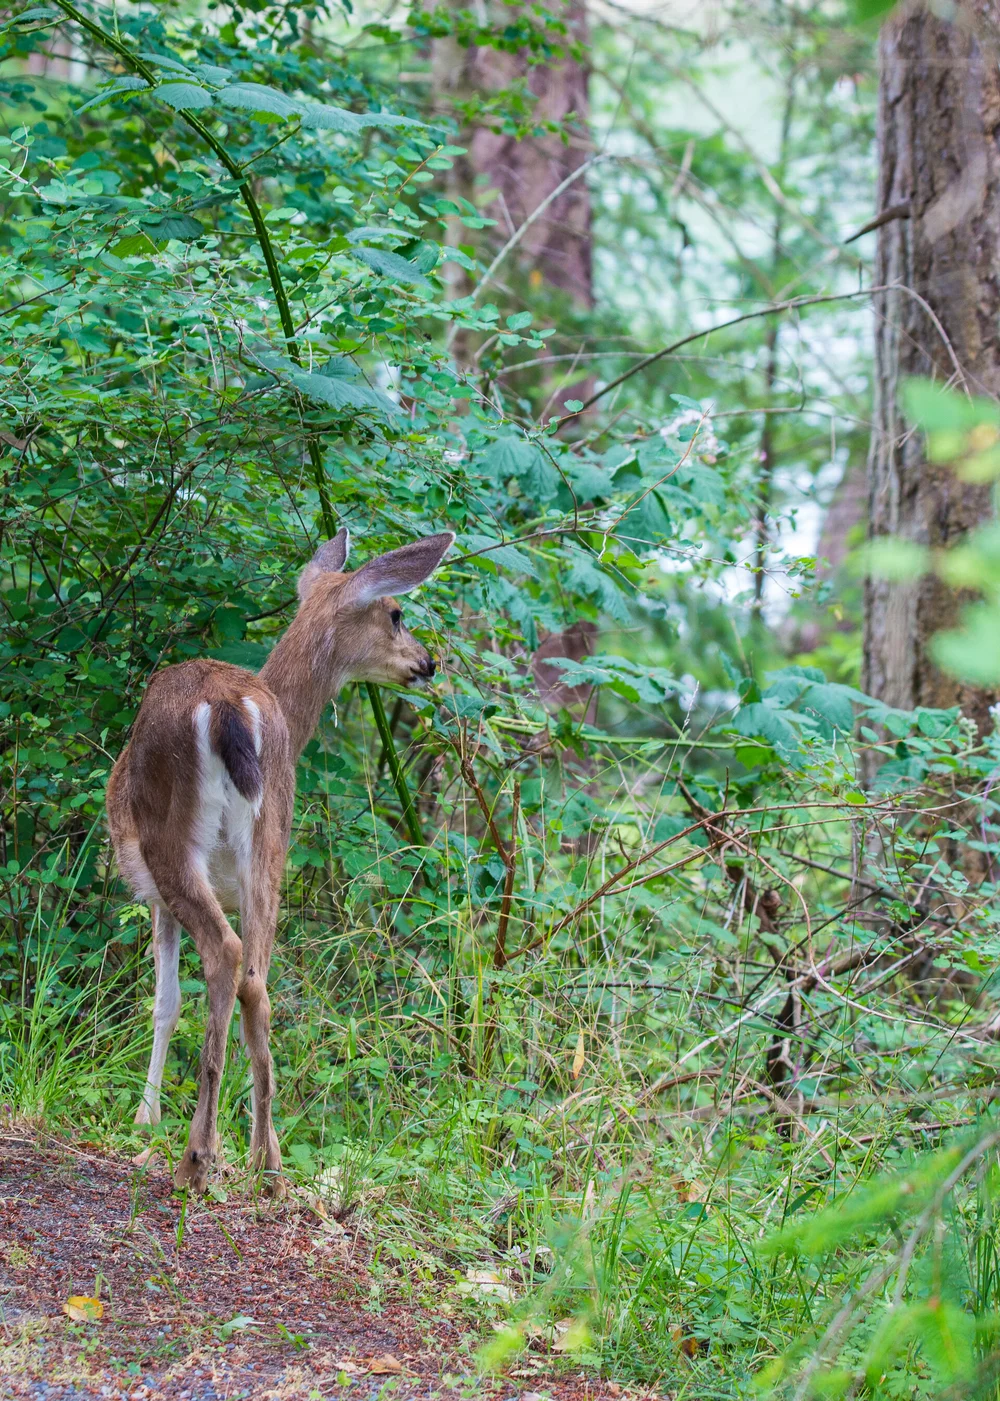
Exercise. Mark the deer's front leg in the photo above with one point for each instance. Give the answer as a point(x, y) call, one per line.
point(258, 919)
point(166, 1007)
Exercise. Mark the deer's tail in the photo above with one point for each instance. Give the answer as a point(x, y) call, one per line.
point(231, 736)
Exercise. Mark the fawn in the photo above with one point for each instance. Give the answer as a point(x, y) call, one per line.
point(200, 810)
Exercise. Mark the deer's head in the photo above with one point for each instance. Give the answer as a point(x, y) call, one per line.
point(359, 615)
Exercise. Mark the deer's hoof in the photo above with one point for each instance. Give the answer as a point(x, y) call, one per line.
point(274, 1186)
point(193, 1169)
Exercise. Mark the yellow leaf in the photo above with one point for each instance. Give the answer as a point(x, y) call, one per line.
point(81, 1308)
point(579, 1060)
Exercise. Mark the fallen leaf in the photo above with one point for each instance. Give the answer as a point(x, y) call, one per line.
point(385, 1366)
point(580, 1059)
point(488, 1283)
point(81, 1308)
point(314, 1204)
point(572, 1335)
point(346, 1365)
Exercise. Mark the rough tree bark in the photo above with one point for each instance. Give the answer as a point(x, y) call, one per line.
point(939, 123)
point(554, 253)
point(557, 247)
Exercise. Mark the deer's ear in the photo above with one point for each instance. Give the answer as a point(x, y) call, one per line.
point(330, 558)
point(399, 571)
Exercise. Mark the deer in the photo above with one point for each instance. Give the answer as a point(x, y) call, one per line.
point(200, 804)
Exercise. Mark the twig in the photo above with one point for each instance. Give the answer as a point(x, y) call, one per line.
point(895, 211)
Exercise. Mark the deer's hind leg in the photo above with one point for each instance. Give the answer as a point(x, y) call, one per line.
point(166, 1007)
point(193, 902)
point(259, 890)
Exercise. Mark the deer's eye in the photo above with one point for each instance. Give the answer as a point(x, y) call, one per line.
point(396, 617)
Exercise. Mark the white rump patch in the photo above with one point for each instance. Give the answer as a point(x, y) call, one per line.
point(254, 712)
point(222, 836)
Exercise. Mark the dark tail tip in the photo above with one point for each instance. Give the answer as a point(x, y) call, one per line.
point(232, 740)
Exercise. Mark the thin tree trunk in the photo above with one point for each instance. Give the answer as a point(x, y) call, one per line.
point(939, 121)
point(554, 253)
point(556, 250)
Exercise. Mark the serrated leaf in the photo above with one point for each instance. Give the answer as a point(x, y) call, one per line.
point(590, 483)
point(255, 97)
point(832, 704)
point(340, 393)
point(173, 65)
point(335, 385)
point(390, 265)
point(123, 85)
point(503, 556)
point(704, 484)
point(40, 15)
point(586, 575)
point(183, 97)
point(636, 682)
point(320, 116)
point(764, 721)
point(515, 457)
point(209, 73)
point(173, 225)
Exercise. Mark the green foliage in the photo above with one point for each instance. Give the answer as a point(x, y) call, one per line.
point(658, 1107)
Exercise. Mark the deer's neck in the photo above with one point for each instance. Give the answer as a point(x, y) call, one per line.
point(303, 675)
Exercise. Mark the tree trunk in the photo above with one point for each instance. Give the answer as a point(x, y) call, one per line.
point(554, 253)
point(939, 120)
point(556, 249)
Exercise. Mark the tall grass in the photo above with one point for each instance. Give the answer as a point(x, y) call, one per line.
point(592, 1124)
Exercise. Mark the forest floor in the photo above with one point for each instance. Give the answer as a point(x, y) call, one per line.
point(220, 1300)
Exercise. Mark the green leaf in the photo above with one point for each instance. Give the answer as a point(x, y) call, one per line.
point(518, 458)
point(586, 575)
point(251, 655)
point(503, 556)
point(40, 15)
point(833, 703)
point(337, 384)
point(320, 117)
point(590, 483)
point(183, 97)
point(899, 561)
point(630, 679)
point(173, 225)
point(390, 265)
point(341, 393)
point(971, 652)
point(255, 97)
point(123, 85)
point(765, 721)
point(867, 10)
point(167, 61)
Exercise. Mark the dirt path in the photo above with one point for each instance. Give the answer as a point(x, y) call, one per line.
point(171, 1281)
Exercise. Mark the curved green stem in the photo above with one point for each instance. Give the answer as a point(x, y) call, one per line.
point(143, 69)
point(395, 768)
